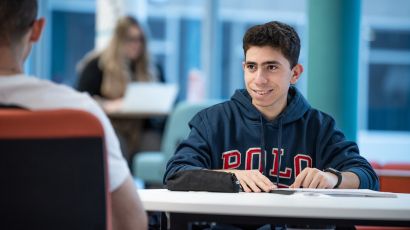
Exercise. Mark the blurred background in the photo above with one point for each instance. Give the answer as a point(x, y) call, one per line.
point(198, 45)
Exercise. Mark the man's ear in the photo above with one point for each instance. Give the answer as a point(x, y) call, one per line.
point(243, 65)
point(37, 29)
point(296, 72)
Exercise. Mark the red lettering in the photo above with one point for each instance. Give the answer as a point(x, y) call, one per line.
point(274, 172)
point(231, 159)
point(298, 163)
point(249, 158)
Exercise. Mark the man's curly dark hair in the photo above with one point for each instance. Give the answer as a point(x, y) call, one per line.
point(277, 35)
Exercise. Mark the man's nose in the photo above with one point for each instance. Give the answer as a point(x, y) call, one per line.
point(260, 77)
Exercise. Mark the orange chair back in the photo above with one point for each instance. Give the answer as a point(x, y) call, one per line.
point(53, 170)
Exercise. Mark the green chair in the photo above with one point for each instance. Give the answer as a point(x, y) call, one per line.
point(150, 166)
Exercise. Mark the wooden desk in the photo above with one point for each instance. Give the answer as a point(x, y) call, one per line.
point(263, 208)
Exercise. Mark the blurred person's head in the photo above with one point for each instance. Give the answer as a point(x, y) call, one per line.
point(19, 28)
point(128, 43)
point(277, 35)
point(125, 59)
point(130, 37)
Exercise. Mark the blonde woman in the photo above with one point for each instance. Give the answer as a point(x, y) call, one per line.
point(106, 74)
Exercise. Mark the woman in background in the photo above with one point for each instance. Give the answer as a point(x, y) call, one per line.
point(106, 74)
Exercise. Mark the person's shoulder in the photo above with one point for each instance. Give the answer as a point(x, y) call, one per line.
point(41, 93)
point(25, 84)
point(318, 116)
point(95, 60)
point(216, 107)
point(48, 87)
point(217, 111)
point(90, 60)
point(93, 63)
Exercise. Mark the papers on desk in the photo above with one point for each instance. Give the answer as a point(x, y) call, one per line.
point(149, 97)
point(334, 192)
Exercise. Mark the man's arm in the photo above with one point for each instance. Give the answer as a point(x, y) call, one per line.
point(334, 151)
point(127, 209)
point(193, 152)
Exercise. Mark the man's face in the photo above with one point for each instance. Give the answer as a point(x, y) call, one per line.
point(267, 78)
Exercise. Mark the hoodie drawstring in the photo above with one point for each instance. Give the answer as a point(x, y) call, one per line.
point(279, 149)
point(263, 150)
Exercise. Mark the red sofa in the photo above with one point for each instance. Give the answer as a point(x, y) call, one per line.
point(394, 177)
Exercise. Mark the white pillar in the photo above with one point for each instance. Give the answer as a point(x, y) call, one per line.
point(107, 14)
point(210, 44)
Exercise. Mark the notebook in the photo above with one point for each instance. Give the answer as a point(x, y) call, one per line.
point(149, 98)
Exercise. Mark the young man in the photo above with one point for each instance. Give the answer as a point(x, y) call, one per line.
point(19, 29)
point(301, 146)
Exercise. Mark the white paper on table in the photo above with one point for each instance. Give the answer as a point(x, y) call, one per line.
point(335, 192)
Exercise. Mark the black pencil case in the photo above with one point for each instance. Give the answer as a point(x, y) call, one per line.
point(203, 180)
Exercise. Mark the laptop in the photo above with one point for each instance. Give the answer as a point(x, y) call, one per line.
point(149, 98)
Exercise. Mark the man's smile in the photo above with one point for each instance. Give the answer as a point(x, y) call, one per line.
point(262, 92)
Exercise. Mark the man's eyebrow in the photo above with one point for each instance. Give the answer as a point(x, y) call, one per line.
point(271, 62)
point(264, 63)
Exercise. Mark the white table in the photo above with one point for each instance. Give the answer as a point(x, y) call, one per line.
point(260, 208)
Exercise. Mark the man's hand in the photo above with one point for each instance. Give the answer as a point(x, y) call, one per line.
point(253, 180)
point(314, 178)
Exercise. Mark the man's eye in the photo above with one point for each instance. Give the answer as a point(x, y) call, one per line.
point(271, 67)
point(251, 67)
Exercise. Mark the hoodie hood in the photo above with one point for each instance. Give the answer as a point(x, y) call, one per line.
point(296, 106)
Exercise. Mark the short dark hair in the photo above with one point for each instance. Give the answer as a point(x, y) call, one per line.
point(16, 17)
point(277, 35)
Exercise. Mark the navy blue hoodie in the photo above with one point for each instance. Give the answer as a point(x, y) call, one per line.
point(231, 135)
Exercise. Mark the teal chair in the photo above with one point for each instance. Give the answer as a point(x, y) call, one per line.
point(150, 166)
